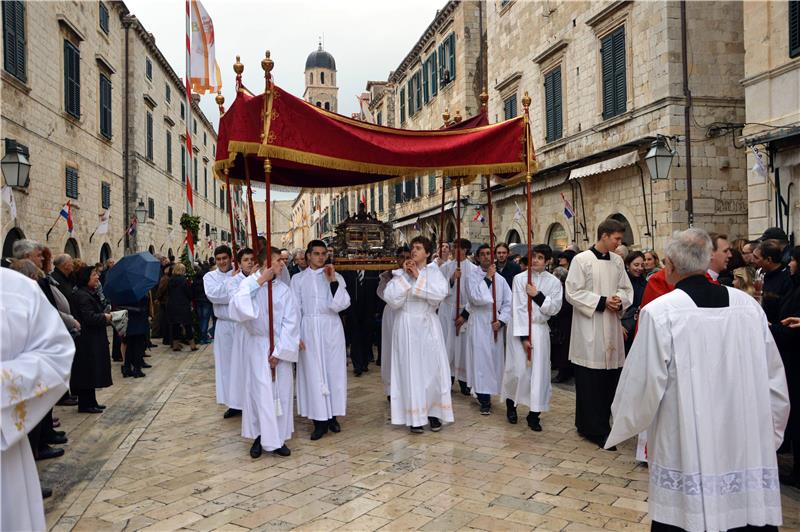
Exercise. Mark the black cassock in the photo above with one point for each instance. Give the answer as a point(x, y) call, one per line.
point(362, 286)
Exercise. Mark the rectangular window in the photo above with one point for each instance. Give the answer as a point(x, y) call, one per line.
point(167, 93)
point(72, 79)
point(410, 189)
point(151, 208)
point(434, 73)
point(447, 60)
point(204, 138)
point(148, 68)
point(194, 181)
point(14, 39)
point(410, 95)
point(379, 119)
point(402, 106)
point(205, 181)
point(431, 184)
point(208, 230)
point(183, 111)
point(72, 182)
point(426, 91)
point(169, 152)
point(169, 215)
point(221, 199)
point(612, 50)
point(105, 106)
point(552, 105)
point(451, 55)
point(372, 199)
point(398, 192)
point(510, 107)
point(105, 195)
point(149, 130)
point(183, 164)
point(418, 87)
point(104, 18)
point(794, 28)
point(194, 126)
point(380, 197)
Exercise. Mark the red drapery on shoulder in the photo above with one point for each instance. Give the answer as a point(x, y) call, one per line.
point(310, 147)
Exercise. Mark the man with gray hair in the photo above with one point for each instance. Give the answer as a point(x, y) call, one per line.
point(705, 379)
point(28, 249)
point(62, 271)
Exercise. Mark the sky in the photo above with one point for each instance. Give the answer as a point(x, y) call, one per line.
point(367, 39)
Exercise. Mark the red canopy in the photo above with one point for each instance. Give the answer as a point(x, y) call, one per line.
point(310, 147)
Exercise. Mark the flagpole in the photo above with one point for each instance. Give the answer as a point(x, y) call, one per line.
point(189, 155)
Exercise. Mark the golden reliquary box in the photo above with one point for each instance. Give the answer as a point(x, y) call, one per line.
point(363, 242)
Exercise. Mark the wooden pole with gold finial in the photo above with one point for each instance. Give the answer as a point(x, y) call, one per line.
point(238, 68)
point(445, 119)
point(526, 104)
point(267, 65)
point(484, 101)
point(457, 119)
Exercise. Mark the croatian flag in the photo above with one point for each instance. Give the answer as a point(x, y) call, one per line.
point(132, 227)
point(66, 213)
point(478, 216)
point(568, 212)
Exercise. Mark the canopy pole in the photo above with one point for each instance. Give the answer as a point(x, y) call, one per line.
point(229, 206)
point(491, 247)
point(441, 223)
point(267, 65)
point(526, 103)
point(251, 207)
point(458, 247)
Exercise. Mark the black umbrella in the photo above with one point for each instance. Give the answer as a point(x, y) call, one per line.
point(128, 281)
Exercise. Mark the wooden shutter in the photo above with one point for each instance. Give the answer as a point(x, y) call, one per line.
point(183, 164)
point(794, 28)
point(418, 87)
point(72, 182)
point(620, 88)
point(442, 61)
point(431, 184)
point(398, 192)
point(14, 39)
point(549, 107)
point(607, 56)
point(410, 95)
point(169, 152)
point(72, 80)
point(557, 108)
point(149, 131)
point(169, 215)
point(380, 197)
point(151, 208)
point(105, 195)
point(434, 74)
point(205, 181)
point(452, 55)
point(402, 105)
point(426, 90)
point(105, 106)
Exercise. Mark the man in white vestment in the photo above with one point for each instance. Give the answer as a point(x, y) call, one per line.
point(420, 382)
point(599, 290)
point(486, 337)
point(705, 378)
point(527, 383)
point(36, 353)
point(387, 321)
point(267, 415)
point(321, 294)
point(454, 320)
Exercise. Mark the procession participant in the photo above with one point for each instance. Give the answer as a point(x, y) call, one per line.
point(267, 415)
point(485, 344)
point(321, 294)
point(599, 290)
point(420, 381)
point(443, 256)
point(359, 318)
point(705, 378)
point(505, 266)
point(453, 321)
point(524, 383)
point(387, 321)
point(36, 353)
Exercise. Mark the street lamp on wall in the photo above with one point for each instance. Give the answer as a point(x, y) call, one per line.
point(213, 234)
point(141, 212)
point(15, 164)
point(659, 158)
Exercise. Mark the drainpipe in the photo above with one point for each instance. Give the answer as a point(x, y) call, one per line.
point(125, 150)
point(687, 112)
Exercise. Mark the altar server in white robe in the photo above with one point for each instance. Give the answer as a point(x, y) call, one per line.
point(523, 383)
point(267, 415)
point(486, 334)
point(705, 378)
point(420, 388)
point(387, 321)
point(321, 294)
point(599, 290)
point(453, 319)
point(36, 353)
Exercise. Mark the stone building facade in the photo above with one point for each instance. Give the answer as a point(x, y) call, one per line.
point(772, 100)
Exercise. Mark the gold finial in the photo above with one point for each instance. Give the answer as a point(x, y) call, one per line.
point(267, 63)
point(267, 166)
point(238, 67)
point(526, 101)
point(220, 99)
point(484, 98)
point(446, 115)
point(457, 118)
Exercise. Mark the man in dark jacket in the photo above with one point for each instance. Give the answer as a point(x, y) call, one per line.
point(202, 304)
point(768, 256)
point(62, 273)
point(360, 316)
point(506, 268)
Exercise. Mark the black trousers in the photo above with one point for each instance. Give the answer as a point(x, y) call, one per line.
point(182, 331)
point(484, 399)
point(86, 397)
point(40, 434)
point(134, 353)
point(594, 393)
point(163, 324)
point(361, 344)
point(655, 526)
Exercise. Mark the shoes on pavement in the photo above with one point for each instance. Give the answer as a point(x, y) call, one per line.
point(320, 428)
point(416, 430)
point(90, 410)
point(334, 426)
point(435, 424)
point(67, 400)
point(255, 450)
point(560, 378)
point(138, 374)
point(511, 412)
point(47, 493)
point(60, 432)
point(145, 365)
point(231, 412)
point(48, 452)
point(57, 439)
point(464, 388)
point(283, 451)
point(101, 407)
point(486, 410)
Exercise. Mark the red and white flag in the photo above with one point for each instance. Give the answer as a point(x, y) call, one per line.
point(66, 213)
point(206, 76)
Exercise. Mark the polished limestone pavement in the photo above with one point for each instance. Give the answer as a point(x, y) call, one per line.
point(162, 458)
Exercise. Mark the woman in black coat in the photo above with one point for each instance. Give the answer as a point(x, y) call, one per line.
point(179, 308)
point(634, 264)
point(91, 367)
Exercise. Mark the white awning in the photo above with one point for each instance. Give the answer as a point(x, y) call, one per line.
point(405, 223)
point(621, 161)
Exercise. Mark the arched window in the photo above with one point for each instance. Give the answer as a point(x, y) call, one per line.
point(71, 248)
point(152, 249)
point(105, 253)
point(322, 78)
point(327, 106)
point(14, 234)
point(310, 78)
point(513, 237)
point(557, 237)
point(627, 238)
point(319, 104)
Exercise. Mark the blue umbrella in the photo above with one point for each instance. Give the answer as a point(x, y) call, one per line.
point(128, 281)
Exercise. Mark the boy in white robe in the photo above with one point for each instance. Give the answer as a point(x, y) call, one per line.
point(387, 322)
point(454, 321)
point(36, 352)
point(599, 290)
point(321, 294)
point(268, 412)
point(485, 337)
point(420, 383)
point(705, 378)
point(524, 383)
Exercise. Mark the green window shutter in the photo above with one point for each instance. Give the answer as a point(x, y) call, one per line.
point(398, 192)
point(380, 197)
point(426, 91)
point(72, 80)
point(418, 87)
point(410, 95)
point(607, 56)
point(452, 55)
point(169, 152)
point(794, 28)
point(183, 164)
point(557, 111)
point(205, 181)
point(402, 105)
point(620, 89)
point(105, 195)
point(434, 75)
point(71, 182)
point(14, 39)
point(431, 184)
point(548, 107)
point(169, 215)
point(149, 131)
point(105, 106)
point(442, 61)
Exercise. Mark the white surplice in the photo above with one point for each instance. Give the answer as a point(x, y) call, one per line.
point(229, 360)
point(387, 322)
point(456, 345)
point(36, 352)
point(485, 352)
point(523, 384)
point(322, 366)
point(596, 339)
point(709, 386)
point(260, 415)
point(420, 382)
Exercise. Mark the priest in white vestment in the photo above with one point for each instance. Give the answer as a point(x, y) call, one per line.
point(36, 352)
point(455, 321)
point(387, 322)
point(599, 290)
point(705, 378)
point(321, 294)
point(267, 416)
point(420, 383)
point(486, 334)
point(523, 383)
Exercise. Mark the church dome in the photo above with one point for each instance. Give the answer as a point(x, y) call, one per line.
point(319, 58)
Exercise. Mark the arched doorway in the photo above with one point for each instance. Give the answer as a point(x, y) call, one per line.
point(627, 238)
point(152, 249)
point(105, 253)
point(14, 234)
point(513, 237)
point(557, 237)
point(71, 248)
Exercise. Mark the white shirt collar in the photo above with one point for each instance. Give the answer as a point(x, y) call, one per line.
point(714, 275)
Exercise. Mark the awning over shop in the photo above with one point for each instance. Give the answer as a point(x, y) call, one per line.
point(607, 165)
point(405, 223)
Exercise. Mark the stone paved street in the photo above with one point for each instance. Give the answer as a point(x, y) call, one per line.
point(162, 458)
